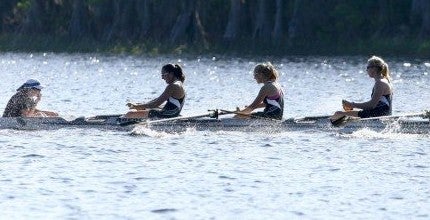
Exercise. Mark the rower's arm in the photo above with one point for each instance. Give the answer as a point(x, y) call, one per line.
point(378, 91)
point(161, 99)
point(257, 103)
point(47, 113)
point(28, 112)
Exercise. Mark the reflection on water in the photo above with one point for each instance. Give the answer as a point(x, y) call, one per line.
point(90, 173)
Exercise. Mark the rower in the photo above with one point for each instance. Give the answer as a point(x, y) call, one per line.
point(380, 103)
point(23, 103)
point(173, 95)
point(270, 97)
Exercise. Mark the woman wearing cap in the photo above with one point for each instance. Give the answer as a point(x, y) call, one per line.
point(24, 102)
point(270, 97)
point(173, 95)
point(380, 103)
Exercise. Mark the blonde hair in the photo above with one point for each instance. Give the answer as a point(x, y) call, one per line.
point(383, 66)
point(268, 70)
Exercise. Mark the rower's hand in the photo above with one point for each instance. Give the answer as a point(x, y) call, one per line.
point(131, 105)
point(347, 106)
point(238, 109)
point(243, 112)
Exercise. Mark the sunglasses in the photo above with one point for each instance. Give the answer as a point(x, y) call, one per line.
point(368, 67)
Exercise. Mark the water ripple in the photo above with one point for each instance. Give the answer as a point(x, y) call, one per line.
point(33, 156)
point(166, 210)
point(147, 174)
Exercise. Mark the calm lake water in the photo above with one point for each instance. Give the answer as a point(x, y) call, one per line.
point(99, 174)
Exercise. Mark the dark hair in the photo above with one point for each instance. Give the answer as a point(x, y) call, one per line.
point(175, 69)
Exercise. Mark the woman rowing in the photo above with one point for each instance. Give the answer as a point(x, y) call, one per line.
point(270, 97)
point(23, 103)
point(173, 95)
point(380, 103)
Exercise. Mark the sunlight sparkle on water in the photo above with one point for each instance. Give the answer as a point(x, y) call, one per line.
point(147, 174)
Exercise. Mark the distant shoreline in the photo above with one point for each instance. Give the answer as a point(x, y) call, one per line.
point(40, 43)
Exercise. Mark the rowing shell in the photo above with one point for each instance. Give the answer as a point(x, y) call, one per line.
point(415, 126)
point(100, 122)
point(402, 125)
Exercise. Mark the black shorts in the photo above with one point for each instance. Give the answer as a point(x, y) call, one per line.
point(376, 112)
point(163, 113)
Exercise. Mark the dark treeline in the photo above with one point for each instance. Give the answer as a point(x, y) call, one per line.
point(252, 26)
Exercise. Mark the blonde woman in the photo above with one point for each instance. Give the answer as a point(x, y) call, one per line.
point(270, 97)
point(380, 103)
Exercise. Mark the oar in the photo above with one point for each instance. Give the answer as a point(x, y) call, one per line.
point(212, 114)
point(83, 119)
point(247, 115)
point(313, 118)
point(425, 114)
point(178, 118)
point(347, 119)
point(105, 116)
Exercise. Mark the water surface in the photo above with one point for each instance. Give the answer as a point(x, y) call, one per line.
point(90, 173)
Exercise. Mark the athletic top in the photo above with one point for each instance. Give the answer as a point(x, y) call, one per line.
point(172, 108)
point(174, 104)
point(385, 100)
point(274, 102)
point(274, 106)
point(383, 108)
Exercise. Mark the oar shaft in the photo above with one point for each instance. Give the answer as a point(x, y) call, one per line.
point(177, 118)
point(213, 114)
point(311, 118)
point(423, 115)
point(248, 115)
point(105, 116)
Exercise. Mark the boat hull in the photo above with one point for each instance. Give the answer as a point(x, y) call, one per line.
point(115, 122)
point(261, 125)
point(49, 123)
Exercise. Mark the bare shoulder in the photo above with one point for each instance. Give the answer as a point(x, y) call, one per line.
point(383, 84)
point(176, 90)
point(273, 86)
point(174, 87)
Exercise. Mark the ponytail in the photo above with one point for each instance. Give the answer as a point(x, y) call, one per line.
point(178, 73)
point(385, 72)
point(176, 69)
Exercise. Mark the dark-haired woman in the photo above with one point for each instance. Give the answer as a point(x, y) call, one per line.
point(173, 95)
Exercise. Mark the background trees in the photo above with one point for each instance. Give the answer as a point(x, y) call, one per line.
point(257, 25)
